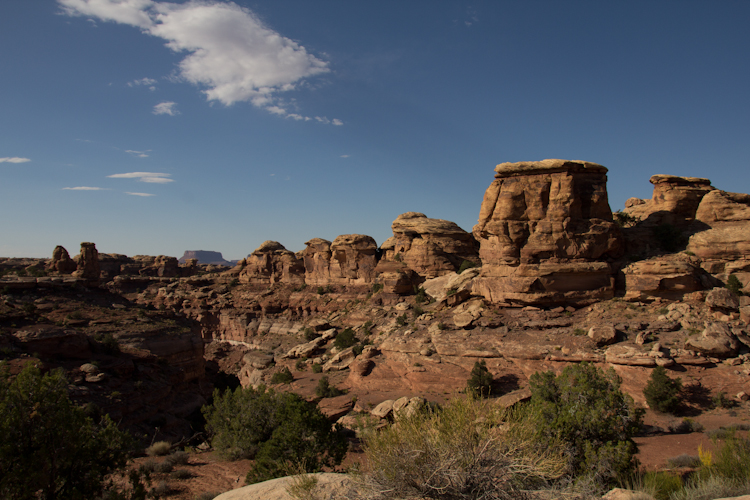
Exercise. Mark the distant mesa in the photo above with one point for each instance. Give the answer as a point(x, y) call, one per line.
point(205, 257)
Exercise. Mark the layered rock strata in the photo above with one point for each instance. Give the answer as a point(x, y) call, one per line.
point(431, 247)
point(546, 234)
point(272, 263)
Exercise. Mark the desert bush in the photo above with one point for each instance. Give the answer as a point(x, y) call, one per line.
point(273, 428)
point(317, 368)
point(158, 449)
point(467, 449)
point(49, 448)
point(417, 312)
point(182, 474)
point(345, 339)
point(685, 426)
point(283, 377)
point(720, 400)
point(466, 264)
point(300, 365)
point(421, 296)
point(734, 284)
point(164, 467)
point(179, 457)
point(623, 219)
point(376, 287)
point(684, 460)
point(402, 320)
point(584, 408)
point(661, 485)
point(662, 392)
point(310, 334)
point(162, 489)
point(480, 380)
point(326, 390)
point(711, 488)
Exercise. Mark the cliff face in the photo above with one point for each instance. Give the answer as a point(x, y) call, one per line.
point(546, 234)
point(204, 257)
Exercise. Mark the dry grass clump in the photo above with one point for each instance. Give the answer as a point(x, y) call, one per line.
point(158, 449)
point(468, 449)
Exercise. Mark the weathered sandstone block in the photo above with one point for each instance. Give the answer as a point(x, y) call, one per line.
point(545, 232)
point(272, 263)
point(61, 261)
point(88, 262)
point(728, 216)
point(675, 200)
point(431, 247)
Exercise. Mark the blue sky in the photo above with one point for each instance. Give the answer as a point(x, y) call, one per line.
point(154, 127)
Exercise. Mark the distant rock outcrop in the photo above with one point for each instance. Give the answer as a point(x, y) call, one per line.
point(88, 262)
point(61, 261)
point(674, 201)
point(546, 234)
point(431, 247)
point(353, 259)
point(205, 257)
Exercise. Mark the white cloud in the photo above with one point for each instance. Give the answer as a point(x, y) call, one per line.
point(144, 81)
point(139, 154)
point(166, 108)
point(231, 54)
point(85, 188)
point(344, 156)
point(14, 159)
point(150, 177)
point(139, 194)
point(337, 122)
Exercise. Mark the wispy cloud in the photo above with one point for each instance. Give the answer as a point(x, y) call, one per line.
point(85, 188)
point(150, 82)
point(231, 54)
point(14, 159)
point(344, 156)
point(139, 194)
point(139, 154)
point(166, 108)
point(150, 177)
point(323, 119)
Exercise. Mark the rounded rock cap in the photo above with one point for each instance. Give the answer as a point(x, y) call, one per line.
point(509, 169)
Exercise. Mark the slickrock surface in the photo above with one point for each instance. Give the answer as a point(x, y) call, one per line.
point(546, 234)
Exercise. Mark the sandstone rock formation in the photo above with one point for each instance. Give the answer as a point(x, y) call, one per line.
point(317, 259)
point(431, 247)
point(669, 276)
point(61, 261)
point(272, 263)
point(546, 234)
point(88, 262)
point(353, 259)
point(675, 200)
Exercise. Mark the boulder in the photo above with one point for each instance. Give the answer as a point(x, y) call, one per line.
point(603, 335)
point(546, 232)
point(272, 263)
point(431, 247)
point(396, 277)
point(716, 340)
point(675, 200)
point(61, 261)
point(722, 299)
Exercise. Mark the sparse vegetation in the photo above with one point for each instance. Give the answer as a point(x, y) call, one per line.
point(326, 390)
point(734, 284)
point(585, 409)
point(402, 320)
point(158, 449)
point(623, 219)
point(480, 380)
point(317, 368)
point(273, 428)
point(282, 377)
point(50, 449)
point(467, 449)
point(345, 339)
point(662, 392)
point(466, 264)
point(720, 400)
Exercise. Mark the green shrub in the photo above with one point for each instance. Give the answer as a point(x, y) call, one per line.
point(310, 334)
point(661, 485)
point(732, 459)
point(179, 458)
point(164, 467)
point(49, 448)
point(158, 449)
point(345, 339)
point(283, 377)
point(623, 219)
point(421, 296)
point(684, 460)
point(273, 428)
point(480, 380)
point(402, 320)
point(467, 449)
point(466, 264)
point(182, 474)
point(662, 392)
point(585, 408)
point(326, 390)
point(376, 287)
point(317, 368)
point(720, 400)
point(300, 365)
point(417, 312)
point(734, 284)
